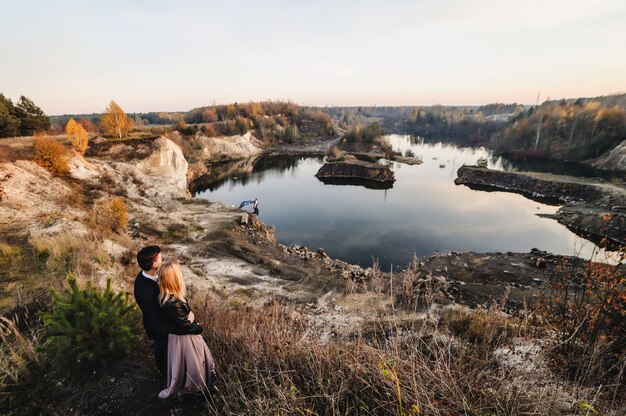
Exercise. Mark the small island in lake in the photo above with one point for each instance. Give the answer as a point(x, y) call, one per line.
point(353, 169)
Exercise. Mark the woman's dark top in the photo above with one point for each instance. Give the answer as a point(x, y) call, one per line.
point(176, 313)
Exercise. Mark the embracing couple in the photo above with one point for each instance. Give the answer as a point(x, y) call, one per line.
point(179, 349)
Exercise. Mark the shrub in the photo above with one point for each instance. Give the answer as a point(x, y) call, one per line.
point(587, 311)
point(209, 131)
point(335, 155)
point(368, 134)
point(482, 162)
point(185, 129)
point(51, 155)
point(111, 214)
point(88, 328)
point(291, 134)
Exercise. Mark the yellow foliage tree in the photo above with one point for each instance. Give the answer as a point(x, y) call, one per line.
point(115, 122)
point(77, 135)
point(51, 155)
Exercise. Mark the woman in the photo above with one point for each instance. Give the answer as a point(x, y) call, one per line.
point(190, 367)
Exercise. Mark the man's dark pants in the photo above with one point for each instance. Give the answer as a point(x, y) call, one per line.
point(159, 347)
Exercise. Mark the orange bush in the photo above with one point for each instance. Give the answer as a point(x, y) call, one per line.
point(111, 214)
point(51, 155)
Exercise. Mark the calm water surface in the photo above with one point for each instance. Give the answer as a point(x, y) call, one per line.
point(424, 212)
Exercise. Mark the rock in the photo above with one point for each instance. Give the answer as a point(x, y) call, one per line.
point(613, 160)
point(245, 218)
point(562, 190)
point(168, 162)
point(540, 263)
point(356, 169)
point(407, 160)
point(439, 279)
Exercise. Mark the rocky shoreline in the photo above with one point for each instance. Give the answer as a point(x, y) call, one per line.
point(591, 208)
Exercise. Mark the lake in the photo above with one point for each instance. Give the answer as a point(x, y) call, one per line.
point(424, 212)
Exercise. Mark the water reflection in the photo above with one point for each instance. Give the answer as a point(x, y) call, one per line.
point(423, 213)
point(356, 182)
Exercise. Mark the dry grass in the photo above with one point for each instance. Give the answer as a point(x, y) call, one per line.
point(18, 353)
point(70, 252)
point(586, 312)
point(268, 363)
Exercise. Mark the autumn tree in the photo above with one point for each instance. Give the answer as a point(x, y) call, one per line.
point(241, 125)
point(115, 122)
point(77, 135)
point(209, 115)
point(88, 125)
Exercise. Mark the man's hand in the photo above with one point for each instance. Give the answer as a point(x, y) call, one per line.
point(191, 316)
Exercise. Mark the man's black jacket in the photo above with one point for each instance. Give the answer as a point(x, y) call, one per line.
point(156, 324)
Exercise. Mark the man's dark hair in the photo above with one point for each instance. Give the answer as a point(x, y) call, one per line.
point(146, 256)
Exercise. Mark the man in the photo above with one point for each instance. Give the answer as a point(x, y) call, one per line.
point(147, 297)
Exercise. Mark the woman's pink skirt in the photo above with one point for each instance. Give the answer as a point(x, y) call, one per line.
point(190, 366)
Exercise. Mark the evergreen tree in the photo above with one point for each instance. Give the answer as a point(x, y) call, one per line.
point(32, 117)
point(9, 121)
point(88, 328)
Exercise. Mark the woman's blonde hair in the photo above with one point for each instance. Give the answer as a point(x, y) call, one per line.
point(171, 282)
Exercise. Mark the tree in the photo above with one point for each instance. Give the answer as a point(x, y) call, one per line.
point(115, 122)
point(9, 121)
point(89, 328)
point(88, 125)
point(209, 115)
point(77, 135)
point(241, 125)
point(33, 119)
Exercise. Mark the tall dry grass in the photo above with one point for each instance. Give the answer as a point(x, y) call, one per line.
point(70, 252)
point(269, 363)
point(18, 353)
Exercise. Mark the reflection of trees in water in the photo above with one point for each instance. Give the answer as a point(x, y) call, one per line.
point(244, 170)
point(503, 162)
point(548, 166)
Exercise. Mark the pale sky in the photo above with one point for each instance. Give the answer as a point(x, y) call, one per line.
point(160, 55)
